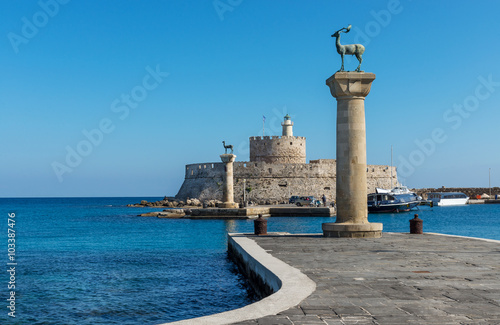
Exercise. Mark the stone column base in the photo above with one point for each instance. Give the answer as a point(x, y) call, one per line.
point(228, 205)
point(352, 230)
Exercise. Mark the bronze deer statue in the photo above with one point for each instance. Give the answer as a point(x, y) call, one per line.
point(350, 49)
point(229, 146)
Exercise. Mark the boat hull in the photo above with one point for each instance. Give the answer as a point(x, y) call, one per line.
point(392, 202)
point(392, 208)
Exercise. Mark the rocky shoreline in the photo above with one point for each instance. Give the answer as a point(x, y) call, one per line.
point(175, 208)
point(170, 202)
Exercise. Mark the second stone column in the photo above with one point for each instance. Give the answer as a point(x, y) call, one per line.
point(227, 189)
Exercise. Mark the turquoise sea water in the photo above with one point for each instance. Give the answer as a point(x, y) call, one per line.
point(93, 261)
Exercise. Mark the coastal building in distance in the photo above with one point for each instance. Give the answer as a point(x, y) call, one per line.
point(277, 170)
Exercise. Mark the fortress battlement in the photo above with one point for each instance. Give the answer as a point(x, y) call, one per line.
point(252, 169)
point(275, 137)
point(323, 161)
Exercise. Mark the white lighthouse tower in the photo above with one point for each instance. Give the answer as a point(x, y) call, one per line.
point(287, 125)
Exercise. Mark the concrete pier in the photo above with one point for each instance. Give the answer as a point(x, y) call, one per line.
point(228, 189)
point(397, 279)
point(350, 90)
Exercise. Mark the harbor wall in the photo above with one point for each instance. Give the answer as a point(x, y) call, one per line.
point(471, 192)
point(273, 182)
point(263, 282)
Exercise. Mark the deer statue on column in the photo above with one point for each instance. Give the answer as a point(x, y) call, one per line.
point(350, 49)
point(229, 146)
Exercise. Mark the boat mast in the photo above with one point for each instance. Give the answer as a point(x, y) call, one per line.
point(489, 181)
point(391, 166)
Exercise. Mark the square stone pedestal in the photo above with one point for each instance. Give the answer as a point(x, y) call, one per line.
point(228, 205)
point(352, 230)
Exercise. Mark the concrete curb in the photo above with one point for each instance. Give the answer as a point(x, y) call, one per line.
point(292, 286)
point(477, 238)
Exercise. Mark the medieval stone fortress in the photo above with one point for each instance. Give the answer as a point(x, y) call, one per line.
point(277, 170)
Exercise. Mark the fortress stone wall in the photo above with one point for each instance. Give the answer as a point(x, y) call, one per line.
point(274, 182)
point(277, 170)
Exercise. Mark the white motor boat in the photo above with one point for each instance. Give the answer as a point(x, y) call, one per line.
point(448, 198)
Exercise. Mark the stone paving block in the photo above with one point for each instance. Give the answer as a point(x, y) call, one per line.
point(493, 296)
point(444, 320)
point(342, 302)
point(349, 311)
point(316, 304)
point(485, 309)
point(327, 298)
point(292, 311)
point(385, 310)
point(398, 320)
point(311, 302)
point(332, 321)
point(480, 322)
point(320, 311)
point(433, 293)
point(366, 302)
point(396, 296)
point(459, 309)
point(358, 320)
point(306, 320)
point(274, 320)
point(422, 310)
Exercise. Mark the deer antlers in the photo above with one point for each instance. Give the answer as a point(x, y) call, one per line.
point(343, 30)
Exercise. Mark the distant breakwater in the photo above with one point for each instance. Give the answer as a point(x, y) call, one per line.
point(471, 192)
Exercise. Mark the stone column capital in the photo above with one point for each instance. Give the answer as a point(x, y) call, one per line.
point(227, 158)
point(350, 84)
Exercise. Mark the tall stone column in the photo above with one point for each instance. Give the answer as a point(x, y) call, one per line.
point(228, 190)
point(350, 90)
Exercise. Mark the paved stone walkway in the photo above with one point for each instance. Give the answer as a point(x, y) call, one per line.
point(397, 279)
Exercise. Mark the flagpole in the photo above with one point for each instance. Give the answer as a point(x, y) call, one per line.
point(263, 122)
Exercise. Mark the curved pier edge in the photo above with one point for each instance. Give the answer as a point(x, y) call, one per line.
point(478, 238)
point(289, 284)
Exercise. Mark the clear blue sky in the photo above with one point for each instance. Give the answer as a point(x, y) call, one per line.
point(157, 85)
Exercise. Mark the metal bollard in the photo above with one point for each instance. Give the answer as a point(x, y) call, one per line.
point(416, 225)
point(260, 226)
